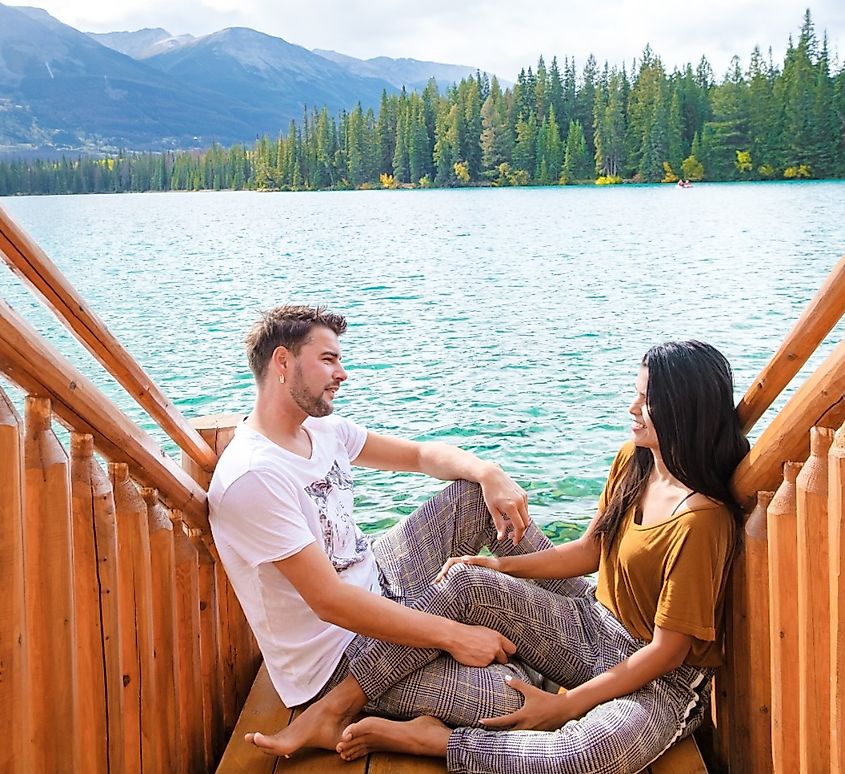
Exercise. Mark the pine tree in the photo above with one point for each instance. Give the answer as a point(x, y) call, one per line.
point(447, 145)
point(386, 132)
point(541, 89)
point(609, 126)
point(525, 147)
point(728, 132)
point(496, 138)
point(555, 94)
point(585, 101)
point(646, 144)
point(401, 159)
point(471, 135)
point(549, 151)
point(764, 118)
point(576, 160)
point(797, 92)
point(419, 149)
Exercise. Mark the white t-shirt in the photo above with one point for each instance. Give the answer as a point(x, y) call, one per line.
point(266, 504)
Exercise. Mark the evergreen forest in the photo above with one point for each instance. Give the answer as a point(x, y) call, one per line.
point(556, 125)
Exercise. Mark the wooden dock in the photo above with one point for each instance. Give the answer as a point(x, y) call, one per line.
point(119, 628)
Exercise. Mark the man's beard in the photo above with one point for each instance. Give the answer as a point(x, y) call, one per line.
point(314, 406)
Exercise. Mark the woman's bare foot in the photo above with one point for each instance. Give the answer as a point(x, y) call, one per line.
point(420, 736)
point(319, 725)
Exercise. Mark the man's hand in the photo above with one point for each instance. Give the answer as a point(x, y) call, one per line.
point(507, 502)
point(491, 562)
point(478, 646)
point(541, 711)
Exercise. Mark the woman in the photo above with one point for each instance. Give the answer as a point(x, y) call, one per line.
point(637, 652)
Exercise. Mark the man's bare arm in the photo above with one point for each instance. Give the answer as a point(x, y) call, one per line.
point(505, 499)
point(358, 610)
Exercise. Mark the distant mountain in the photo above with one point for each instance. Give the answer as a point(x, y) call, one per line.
point(62, 90)
point(141, 44)
point(410, 73)
point(273, 76)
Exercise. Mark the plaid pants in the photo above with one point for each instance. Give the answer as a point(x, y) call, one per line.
point(559, 629)
point(453, 523)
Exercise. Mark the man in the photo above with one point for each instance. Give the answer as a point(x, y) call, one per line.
point(307, 579)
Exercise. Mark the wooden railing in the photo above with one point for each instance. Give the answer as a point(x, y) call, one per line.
point(29, 261)
point(780, 696)
point(122, 645)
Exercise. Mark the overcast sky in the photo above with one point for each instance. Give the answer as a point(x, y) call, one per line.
point(500, 36)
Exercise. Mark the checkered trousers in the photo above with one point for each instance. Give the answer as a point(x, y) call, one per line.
point(559, 629)
point(453, 523)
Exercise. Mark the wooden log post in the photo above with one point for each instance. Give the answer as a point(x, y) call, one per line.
point(212, 703)
point(814, 606)
point(143, 734)
point(163, 584)
point(189, 677)
point(48, 585)
point(748, 648)
point(99, 694)
point(12, 626)
point(236, 648)
point(225, 645)
point(836, 517)
point(782, 519)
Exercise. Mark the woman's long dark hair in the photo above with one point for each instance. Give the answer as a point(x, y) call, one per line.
point(690, 402)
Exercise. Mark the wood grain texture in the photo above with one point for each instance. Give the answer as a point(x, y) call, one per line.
point(33, 364)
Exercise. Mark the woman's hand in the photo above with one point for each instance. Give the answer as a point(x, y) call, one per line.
point(541, 711)
point(491, 562)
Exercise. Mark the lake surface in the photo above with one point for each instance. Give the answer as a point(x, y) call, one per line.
point(509, 321)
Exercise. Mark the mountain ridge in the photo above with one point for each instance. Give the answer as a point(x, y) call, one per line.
point(63, 90)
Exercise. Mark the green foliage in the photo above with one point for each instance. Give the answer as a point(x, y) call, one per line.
point(576, 158)
point(555, 125)
point(692, 168)
point(669, 175)
point(801, 171)
point(461, 170)
point(743, 162)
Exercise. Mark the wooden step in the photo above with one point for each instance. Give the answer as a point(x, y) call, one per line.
point(264, 711)
point(682, 758)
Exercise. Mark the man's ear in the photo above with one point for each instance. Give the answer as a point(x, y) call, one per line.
point(280, 362)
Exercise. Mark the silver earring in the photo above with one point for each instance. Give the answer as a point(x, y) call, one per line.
point(281, 379)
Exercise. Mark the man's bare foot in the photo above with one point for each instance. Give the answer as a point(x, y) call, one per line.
point(319, 725)
point(420, 736)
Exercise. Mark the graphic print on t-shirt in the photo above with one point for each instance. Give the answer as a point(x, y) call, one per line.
point(343, 543)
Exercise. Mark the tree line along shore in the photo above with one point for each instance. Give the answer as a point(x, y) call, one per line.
point(554, 126)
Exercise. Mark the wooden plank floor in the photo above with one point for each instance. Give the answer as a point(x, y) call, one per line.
point(264, 712)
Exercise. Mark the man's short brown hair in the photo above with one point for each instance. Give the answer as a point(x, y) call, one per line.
point(286, 326)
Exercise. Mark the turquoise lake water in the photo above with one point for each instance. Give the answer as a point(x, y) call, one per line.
point(509, 321)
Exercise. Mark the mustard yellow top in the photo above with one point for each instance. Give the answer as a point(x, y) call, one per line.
point(670, 574)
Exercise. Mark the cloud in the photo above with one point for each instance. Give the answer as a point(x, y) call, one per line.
point(496, 35)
